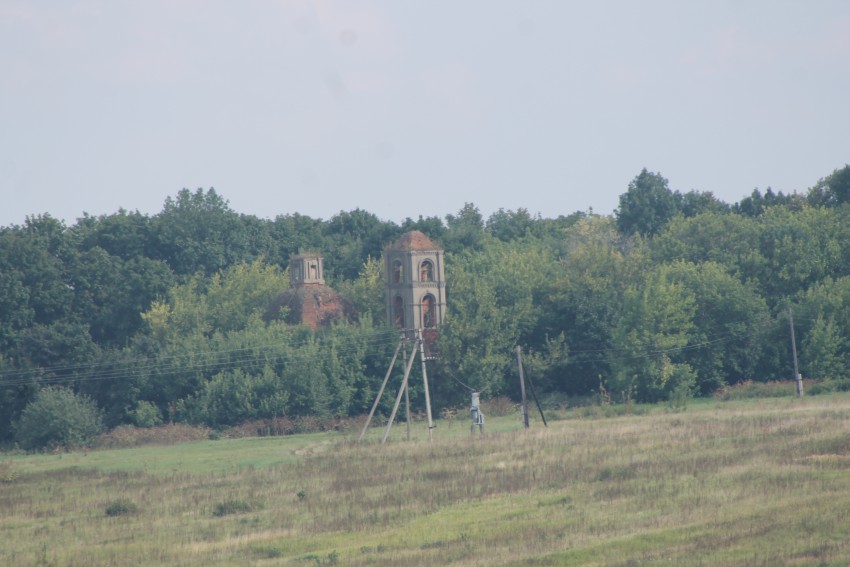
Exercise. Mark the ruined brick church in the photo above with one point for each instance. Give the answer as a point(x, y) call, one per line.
point(309, 300)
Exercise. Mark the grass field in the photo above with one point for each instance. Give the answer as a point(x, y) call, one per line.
point(754, 482)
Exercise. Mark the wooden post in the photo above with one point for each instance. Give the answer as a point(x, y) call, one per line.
point(797, 376)
point(522, 387)
point(407, 401)
point(400, 392)
point(425, 382)
point(537, 401)
point(381, 391)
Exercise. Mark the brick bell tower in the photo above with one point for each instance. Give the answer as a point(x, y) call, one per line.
point(416, 306)
point(416, 285)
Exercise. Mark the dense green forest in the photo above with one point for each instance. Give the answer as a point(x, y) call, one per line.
point(168, 318)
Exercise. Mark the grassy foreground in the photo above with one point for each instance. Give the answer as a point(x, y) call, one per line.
point(764, 482)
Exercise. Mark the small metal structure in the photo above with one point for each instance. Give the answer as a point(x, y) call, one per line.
point(477, 415)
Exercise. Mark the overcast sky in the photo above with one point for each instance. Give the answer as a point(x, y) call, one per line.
point(404, 108)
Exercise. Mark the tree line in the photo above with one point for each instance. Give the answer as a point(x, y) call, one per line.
point(172, 317)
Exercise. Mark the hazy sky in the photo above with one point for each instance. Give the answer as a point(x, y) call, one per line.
point(404, 107)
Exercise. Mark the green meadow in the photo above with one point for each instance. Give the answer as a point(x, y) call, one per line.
point(747, 482)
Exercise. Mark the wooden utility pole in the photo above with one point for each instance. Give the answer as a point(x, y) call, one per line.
point(406, 398)
point(530, 387)
point(797, 375)
point(537, 401)
point(522, 387)
point(425, 382)
point(381, 393)
point(400, 393)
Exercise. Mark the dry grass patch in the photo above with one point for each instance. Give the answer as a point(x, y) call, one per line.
point(171, 434)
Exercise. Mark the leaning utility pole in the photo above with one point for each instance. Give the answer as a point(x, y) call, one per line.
point(401, 392)
point(533, 393)
point(522, 387)
point(797, 375)
point(406, 399)
point(381, 391)
point(425, 383)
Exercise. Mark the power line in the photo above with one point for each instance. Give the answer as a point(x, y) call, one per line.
point(290, 352)
point(285, 352)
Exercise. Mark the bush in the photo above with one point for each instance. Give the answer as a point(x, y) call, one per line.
point(500, 406)
point(121, 507)
point(146, 414)
point(170, 434)
point(57, 417)
point(232, 507)
point(750, 390)
point(289, 426)
point(685, 380)
point(7, 471)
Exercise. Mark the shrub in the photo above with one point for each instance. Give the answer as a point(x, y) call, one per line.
point(7, 471)
point(682, 392)
point(171, 434)
point(121, 507)
point(500, 406)
point(749, 390)
point(449, 415)
point(57, 417)
point(146, 414)
point(289, 426)
point(267, 552)
point(232, 507)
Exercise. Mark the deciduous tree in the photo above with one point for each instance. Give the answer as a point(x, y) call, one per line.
point(647, 206)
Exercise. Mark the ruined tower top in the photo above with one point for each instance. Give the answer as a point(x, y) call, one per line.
point(306, 269)
point(413, 240)
point(309, 300)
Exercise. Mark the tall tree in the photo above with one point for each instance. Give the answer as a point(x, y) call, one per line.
point(433, 227)
point(126, 235)
point(822, 318)
point(729, 325)
point(730, 240)
point(647, 206)
point(465, 230)
point(352, 237)
point(228, 301)
point(832, 190)
point(291, 234)
point(757, 203)
point(800, 248)
point(367, 291)
point(657, 320)
point(510, 225)
point(824, 352)
point(590, 282)
point(694, 203)
point(198, 232)
point(497, 296)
